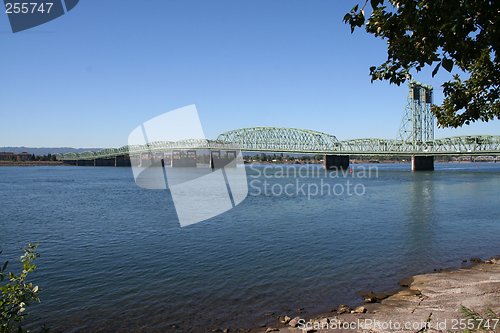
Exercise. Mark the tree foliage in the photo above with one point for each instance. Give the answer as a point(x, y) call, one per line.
point(16, 293)
point(460, 34)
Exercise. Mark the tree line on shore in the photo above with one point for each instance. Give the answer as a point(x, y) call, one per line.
point(284, 158)
point(32, 158)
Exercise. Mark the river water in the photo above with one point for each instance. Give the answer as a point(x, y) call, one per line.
point(114, 258)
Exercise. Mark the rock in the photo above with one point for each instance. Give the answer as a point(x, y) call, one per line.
point(325, 320)
point(410, 292)
point(272, 329)
point(321, 323)
point(343, 309)
point(360, 309)
point(294, 322)
point(285, 319)
point(309, 330)
point(406, 282)
point(476, 260)
point(372, 297)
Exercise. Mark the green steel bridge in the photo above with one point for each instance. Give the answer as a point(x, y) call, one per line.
point(415, 138)
point(292, 140)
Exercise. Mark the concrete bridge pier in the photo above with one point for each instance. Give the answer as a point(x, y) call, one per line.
point(422, 163)
point(183, 159)
point(336, 162)
point(85, 163)
point(218, 160)
point(70, 162)
point(122, 161)
point(104, 162)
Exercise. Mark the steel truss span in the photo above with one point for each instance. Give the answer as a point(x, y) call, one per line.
point(416, 137)
point(293, 140)
point(279, 140)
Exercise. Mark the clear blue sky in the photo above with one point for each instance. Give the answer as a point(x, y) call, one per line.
point(89, 77)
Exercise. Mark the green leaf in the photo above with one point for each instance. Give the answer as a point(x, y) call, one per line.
point(419, 33)
point(375, 3)
point(447, 64)
point(434, 72)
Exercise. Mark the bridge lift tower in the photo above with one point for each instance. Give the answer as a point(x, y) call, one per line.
point(417, 125)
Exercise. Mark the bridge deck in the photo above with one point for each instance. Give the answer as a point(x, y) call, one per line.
point(270, 139)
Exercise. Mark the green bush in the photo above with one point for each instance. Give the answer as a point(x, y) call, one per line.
point(16, 293)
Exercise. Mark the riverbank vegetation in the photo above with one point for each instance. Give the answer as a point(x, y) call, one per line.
point(460, 36)
point(16, 292)
point(280, 158)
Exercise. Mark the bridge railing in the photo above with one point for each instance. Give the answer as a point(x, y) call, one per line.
point(459, 145)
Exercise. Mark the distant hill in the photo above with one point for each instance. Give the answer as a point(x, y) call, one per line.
point(45, 151)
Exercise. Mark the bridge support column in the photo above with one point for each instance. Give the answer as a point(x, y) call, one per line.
point(218, 160)
point(183, 159)
point(336, 161)
point(104, 162)
point(422, 163)
point(122, 161)
point(86, 163)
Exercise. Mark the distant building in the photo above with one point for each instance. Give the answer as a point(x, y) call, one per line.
point(24, 156)
point(7, 156)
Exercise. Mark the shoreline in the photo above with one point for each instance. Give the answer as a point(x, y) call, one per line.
point(353, 162)
point(31, 163)
point(429, 302)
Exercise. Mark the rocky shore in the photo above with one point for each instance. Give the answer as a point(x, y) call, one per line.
point(461, 300)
